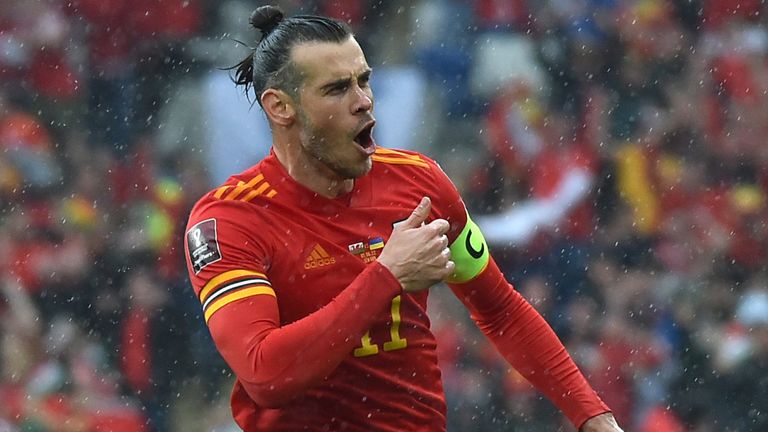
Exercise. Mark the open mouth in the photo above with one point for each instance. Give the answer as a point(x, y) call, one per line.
point(364, 138)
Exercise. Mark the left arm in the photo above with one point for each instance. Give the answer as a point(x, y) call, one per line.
point(529, 344)
point(519, 333)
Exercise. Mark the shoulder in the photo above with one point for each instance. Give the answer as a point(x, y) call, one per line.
point(416, 170)
point(242, 197)
point(228, 228)
point(401, 159)
point(407, 163)
point(411, 164)
point(233, 217)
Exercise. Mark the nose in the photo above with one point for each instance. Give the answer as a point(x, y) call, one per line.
point(363, 100)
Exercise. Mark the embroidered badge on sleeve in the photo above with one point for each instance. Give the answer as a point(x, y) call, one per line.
point(203, 244)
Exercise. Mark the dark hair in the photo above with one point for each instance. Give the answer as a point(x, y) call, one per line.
point(269, 65)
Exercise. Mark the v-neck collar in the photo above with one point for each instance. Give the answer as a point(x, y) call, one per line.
point(295, 193)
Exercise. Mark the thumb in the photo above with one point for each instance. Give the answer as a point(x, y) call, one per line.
point(419, 214)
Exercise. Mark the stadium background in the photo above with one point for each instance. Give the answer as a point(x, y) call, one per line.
point(612, 150)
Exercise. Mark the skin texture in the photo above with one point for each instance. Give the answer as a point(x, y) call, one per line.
point(602, 423)
point(313, 136)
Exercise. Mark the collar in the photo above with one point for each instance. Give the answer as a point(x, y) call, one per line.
point(293, 193)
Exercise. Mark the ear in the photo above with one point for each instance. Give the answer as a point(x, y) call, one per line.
point(279, 107)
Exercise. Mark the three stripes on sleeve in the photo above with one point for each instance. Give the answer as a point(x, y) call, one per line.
point(231, 286)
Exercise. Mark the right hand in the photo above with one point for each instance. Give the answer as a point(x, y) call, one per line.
point(417, 254)
point(601, 423)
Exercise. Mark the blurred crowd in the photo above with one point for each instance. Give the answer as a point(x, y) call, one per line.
point(609, 149)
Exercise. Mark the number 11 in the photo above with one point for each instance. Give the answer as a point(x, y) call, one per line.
point(395, 343)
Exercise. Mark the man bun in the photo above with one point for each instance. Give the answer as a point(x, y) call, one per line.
point(268, 65)
point(266, 18)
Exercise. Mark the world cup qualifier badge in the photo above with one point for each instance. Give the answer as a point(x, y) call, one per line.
point(203, 245)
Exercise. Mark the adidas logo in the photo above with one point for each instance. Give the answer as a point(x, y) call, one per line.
point(318, 258)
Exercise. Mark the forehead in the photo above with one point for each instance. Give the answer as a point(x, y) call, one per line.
point(327, 61)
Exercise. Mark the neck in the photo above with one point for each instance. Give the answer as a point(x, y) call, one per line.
point(309, 172)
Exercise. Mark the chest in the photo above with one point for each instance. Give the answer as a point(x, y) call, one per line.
point(316, 256)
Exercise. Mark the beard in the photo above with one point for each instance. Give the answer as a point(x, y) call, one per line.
point(329, 155)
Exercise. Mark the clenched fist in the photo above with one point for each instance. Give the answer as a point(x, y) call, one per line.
point(418, 254)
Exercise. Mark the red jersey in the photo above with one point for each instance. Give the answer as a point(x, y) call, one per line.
point(318, 333)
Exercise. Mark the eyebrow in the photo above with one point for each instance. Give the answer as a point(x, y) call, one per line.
point(344, 81)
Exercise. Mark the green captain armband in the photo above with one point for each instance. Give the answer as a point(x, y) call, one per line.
point(470, 253)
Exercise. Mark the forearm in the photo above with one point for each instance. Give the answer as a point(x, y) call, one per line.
point(275, 364)
point(528, 343)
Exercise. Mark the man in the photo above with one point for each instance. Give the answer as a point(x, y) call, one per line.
point(313, 267)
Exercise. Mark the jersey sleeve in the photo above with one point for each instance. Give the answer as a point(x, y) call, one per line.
point(225, 260)
point(229, 266)
point(469, 250)
point(515, 328)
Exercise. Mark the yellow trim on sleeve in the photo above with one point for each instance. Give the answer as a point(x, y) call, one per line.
point(237, 295)
point(218, 280)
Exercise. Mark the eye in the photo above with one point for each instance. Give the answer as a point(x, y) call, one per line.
point(339, 89)
point(364, 80)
